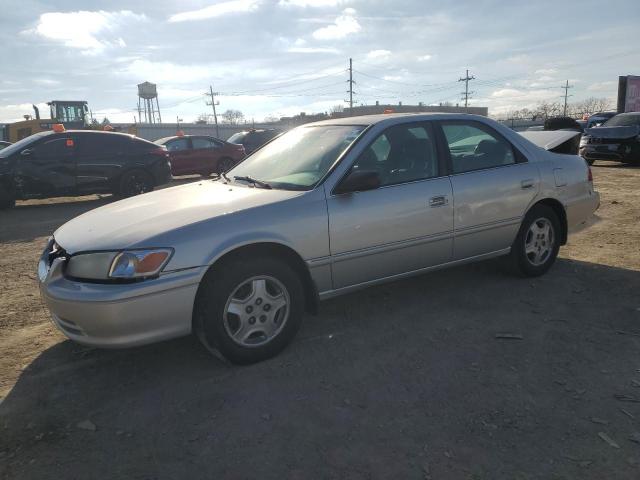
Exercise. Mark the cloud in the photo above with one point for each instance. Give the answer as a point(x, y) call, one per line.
point(310, 3)
point(545, 71)
point(607, 86)
point(217, 10)
point(344, 25)
point(424, 58)
point(378, 54)
point(313, 50)
point(91, 32)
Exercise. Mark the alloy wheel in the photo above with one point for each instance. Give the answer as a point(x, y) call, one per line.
point(256, 311)
point(539, 241)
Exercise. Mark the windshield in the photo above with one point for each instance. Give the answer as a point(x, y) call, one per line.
point(20, 144)
point(237, 137)
point(623, 121)
point(300, 158)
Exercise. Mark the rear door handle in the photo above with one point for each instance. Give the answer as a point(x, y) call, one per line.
point(528, 183)
point(438, 201)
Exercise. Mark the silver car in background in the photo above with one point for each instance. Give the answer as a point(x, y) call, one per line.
point(325, 209)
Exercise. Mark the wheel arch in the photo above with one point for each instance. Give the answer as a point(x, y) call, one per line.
point(559, 210)
point(277, 250)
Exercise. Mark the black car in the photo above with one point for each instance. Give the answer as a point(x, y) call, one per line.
point(80, 162)
point(253, 139)
point(617, 139)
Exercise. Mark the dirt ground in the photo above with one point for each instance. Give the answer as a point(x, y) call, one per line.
point(406, 380)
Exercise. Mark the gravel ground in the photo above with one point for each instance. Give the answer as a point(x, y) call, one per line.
point(405, 380)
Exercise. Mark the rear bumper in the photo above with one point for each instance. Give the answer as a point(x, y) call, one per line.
point(120, 315)
point(162, 173)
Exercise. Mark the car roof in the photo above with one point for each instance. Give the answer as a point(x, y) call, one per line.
point(366, 120)
point(97, 132)
point(174, 137)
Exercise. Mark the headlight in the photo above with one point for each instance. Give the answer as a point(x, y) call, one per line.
point(584, 140)
point(128, 264)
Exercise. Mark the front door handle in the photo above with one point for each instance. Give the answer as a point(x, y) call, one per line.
point(528, 183)
point(438, 201)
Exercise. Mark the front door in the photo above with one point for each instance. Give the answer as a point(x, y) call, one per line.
point(493, 185)
point(404, 225)
point(182, 161)
point(47, 169)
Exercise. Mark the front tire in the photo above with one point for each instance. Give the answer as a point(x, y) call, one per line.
point(249, 309)
point(536, 246)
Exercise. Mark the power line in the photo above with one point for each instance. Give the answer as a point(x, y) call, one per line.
point(466, 92)
point(213, 104)
point(566, 88)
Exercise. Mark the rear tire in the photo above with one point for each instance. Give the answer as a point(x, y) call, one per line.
point(135, 182)
point(249, 309)
point(536, 246)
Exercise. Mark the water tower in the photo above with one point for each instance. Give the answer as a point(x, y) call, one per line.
point(147, 93)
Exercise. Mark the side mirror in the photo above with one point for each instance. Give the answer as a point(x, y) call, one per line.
point(359, 181)
point(26, 152)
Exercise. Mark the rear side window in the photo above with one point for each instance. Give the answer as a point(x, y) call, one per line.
point(199, 143)
point(475, 147)
point(102, 143)
point(178, 145)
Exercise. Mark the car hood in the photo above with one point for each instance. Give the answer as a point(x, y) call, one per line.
point(614, 132)
point(128, 223)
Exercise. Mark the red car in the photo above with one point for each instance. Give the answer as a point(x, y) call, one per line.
point(202, 155)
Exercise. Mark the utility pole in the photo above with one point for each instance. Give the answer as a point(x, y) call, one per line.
point(351, 83)
point(213, 104)
point(566, 88)
point(466, 93)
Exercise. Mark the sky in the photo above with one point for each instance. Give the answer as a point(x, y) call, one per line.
point(273, 58)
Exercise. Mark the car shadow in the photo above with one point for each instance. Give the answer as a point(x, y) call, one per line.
point(462, 361)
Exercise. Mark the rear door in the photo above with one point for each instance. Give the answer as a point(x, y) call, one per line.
point(493, 185)
point(181, 159)
point(101, 158)
point(47, 169)
point(404, 225)
point(206, 153)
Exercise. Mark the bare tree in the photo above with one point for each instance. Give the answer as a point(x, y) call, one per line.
point(336, 109)
point(234, 117)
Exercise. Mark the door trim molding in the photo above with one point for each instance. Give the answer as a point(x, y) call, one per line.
point(377, 249)
point(341, 291)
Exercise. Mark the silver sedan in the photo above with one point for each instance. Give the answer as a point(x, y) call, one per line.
point(322, 210)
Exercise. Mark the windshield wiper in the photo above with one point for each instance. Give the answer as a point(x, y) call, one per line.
point(257, 183)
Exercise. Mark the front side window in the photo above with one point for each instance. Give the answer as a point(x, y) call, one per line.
point(200, 143)
point(475, 147)
point(178, 145)
point(403, 153)
point(300, 158)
